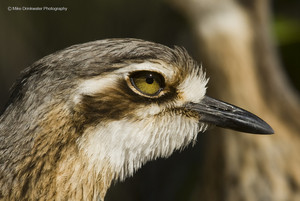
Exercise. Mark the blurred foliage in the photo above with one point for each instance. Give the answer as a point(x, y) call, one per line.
point(286, 29)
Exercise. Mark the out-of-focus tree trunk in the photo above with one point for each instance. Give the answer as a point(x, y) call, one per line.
point(238, 52)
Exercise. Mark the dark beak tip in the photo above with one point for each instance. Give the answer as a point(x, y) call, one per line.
point(253, 125)
point(266, 130)
point(225, 115)
point(258, 126)
point(260, 131)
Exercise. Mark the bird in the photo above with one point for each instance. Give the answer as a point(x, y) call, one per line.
point(94, 113)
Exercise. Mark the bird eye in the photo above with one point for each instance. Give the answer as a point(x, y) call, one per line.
point(148, 83)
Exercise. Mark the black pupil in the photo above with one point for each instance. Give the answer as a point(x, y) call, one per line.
point(149, 79)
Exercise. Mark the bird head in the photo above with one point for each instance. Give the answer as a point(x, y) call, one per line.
point(147, 101)
point(123, 102)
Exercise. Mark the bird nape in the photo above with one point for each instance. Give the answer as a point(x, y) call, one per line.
point(93, 113)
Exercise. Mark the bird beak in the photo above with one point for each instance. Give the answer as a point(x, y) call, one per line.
point(225, 115)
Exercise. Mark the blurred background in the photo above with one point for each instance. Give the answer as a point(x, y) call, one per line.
point(251, 52)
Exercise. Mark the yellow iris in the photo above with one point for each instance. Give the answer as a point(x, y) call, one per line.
point(149, 83)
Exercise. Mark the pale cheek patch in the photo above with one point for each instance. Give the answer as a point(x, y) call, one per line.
point(127, 145)
point(193, 88)
point(148, 111)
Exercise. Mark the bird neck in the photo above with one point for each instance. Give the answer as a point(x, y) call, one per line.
point(46, 163)
point(78, 180)
point(75, 178)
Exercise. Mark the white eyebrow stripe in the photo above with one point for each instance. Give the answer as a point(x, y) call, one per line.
point(92, 86)
point(97, 84)
point(102, 82)
point(161, 68)
point(192, 88)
